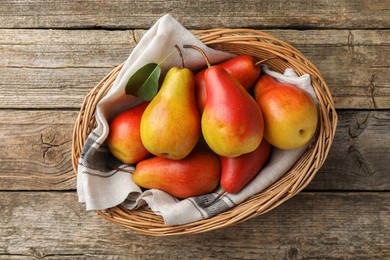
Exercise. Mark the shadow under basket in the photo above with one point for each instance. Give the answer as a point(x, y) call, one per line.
point(239, 41)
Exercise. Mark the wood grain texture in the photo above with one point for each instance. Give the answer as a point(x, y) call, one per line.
point(355, 64)
point(56, 69)
point(36, 149)
point(52, 53)
point(359, 156)
point(52, 225)
point(195, 14)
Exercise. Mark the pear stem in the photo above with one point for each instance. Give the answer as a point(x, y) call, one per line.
point(181, 55)
point(265, 60)
point(123, 170)
point(201, 52)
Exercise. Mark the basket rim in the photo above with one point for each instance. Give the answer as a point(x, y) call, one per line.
point(290, 184)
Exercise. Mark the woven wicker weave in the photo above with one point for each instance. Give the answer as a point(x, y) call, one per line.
point(239, 41)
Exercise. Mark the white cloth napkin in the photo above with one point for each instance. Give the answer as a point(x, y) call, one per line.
point(100, 187)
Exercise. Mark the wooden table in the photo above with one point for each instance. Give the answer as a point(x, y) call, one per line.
point(53, 52)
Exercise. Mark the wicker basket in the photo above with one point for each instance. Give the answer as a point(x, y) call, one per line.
point(239, 41)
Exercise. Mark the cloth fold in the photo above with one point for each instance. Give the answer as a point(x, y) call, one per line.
point(101, 187)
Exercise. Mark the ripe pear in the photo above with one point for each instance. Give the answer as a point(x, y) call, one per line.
point(243, 68)
point(170, 125)
point(124, 139)
point(290, 113)
point(238, 171)
point(232, 122)
point(196, 174)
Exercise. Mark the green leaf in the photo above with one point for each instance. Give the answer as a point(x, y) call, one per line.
point(144, 82)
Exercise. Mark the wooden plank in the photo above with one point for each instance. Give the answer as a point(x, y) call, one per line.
point(69, 64)
point(355, 64)
point(359, 156)
point(64, 48)
point(47, 88)
point(36, 148)
point(195, 14)
point(52, 225)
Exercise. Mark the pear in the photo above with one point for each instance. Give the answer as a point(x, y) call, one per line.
point(124, 138)
point(238, 171)
point(196, 174)
point(170, 125)
point(232, 122)
point(244, 68)
point(290, 113)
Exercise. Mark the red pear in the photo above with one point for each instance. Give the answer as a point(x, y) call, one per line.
point(290, 113)
point(232, 122)
point(124, 139)
point(196, 174)
point(237, 172)
point(243, 68)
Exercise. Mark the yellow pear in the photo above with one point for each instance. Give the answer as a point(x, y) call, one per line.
point(170, 125)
